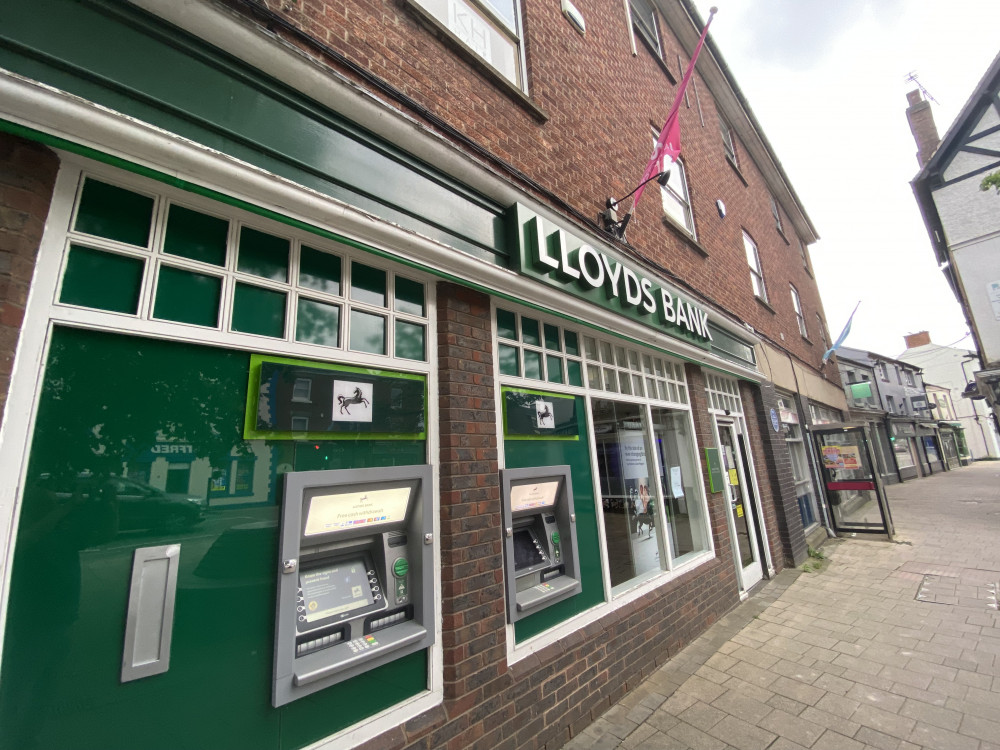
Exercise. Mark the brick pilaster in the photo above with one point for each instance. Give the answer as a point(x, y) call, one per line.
point(27, 178)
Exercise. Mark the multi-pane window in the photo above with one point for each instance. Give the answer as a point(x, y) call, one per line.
point(153, 258)
point(644, 22)
point(538, 350)
point(756, 272)
point(723, 394)
point(491, 29)
point(676, 201)
point(908, 377)
point(883, 371)
point(805, 256)
point(797, 304)
point(728, 140)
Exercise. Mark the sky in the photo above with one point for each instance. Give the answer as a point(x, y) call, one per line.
point(827, 83)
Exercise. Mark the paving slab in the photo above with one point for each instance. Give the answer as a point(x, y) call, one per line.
point(894, 646)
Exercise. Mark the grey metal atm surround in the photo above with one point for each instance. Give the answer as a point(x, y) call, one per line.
point(355, 575)
point(542, 563)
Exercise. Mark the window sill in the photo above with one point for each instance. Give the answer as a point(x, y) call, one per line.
point(656, 55)
point(732, 163)
point(807, 339)
point(481, 66)
point(684, 235)
point(781, 234)
point(763, 303)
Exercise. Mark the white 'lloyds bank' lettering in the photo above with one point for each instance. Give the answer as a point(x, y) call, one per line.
point(591, 268)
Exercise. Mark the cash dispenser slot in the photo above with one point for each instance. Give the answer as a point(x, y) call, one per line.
point(541, 556)
point(354, 587)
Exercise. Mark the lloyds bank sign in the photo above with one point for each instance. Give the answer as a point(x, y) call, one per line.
point(551, 255)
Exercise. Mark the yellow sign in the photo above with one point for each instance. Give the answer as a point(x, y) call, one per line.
point(734, 478)
point(739, 510)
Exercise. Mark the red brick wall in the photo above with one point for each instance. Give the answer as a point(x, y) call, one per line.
point(600, 102)
point(27, 177)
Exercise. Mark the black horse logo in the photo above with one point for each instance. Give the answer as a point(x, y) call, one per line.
point(357, 398)
point(545, 415)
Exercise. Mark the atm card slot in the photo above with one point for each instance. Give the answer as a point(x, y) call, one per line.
point(389, 619)
point(548, 575)
point(326, 640)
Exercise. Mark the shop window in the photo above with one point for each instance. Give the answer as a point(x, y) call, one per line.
point(319, 270)
point(114, 213)
point(489, 29)
point(756, 272)
point(102, 280)
point(187, 297)
point(675, 198)
point(797, 305)
point(203, 269)
point(197, 236)
point(644, 22)
point(685, 514)
point(903, 453)
point(539, 350)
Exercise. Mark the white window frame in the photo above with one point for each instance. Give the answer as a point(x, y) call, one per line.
point(776, 213)
point(728, 140)
point(756, 271)
point(797, 304)
point(676, 199)
point(640, 27)
point(478, 26)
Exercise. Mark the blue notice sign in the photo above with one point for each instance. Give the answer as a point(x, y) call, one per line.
point(775, 423)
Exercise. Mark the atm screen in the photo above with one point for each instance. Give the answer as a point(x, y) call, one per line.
point(533, 495)
point(526, 553)
point(336, 589)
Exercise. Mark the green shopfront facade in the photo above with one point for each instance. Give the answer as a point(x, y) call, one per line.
point(214, 262)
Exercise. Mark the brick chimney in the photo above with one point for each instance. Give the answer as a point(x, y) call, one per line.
point(917, 339)
point(921, 120)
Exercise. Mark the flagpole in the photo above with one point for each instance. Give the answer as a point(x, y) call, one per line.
point(669, 138)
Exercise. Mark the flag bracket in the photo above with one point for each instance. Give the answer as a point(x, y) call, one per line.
point(609, 215)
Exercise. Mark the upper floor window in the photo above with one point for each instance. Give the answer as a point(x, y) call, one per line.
point(908, 377)
point(797, 304)
point(899, 378)
point(644, 22)
point(804, 254)
point(728, 140)
point(490, 29)
point(822, 332)
point(756, 272)
point(890, 404)
point(883, 371)
point(676, 201)
point(776, 213)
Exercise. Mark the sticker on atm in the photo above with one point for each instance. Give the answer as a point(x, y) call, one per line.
point(533, 495)
point(358, 508)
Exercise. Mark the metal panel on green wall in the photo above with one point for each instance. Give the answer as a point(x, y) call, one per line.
point(238, 111)
point(139, 443)
point(539, 452)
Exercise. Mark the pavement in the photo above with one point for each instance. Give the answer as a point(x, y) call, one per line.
point(894, 646)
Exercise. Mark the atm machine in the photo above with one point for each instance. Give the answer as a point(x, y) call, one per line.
point(542, 563)
point(355, 580)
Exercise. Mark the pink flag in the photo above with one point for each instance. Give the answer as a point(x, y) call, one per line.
point(668, 145)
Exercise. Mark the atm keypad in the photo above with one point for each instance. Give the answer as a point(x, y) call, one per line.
point(362, 644)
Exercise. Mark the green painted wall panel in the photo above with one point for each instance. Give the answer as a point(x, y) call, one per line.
point(116, 416)
point(520, 454)
point(238, 111)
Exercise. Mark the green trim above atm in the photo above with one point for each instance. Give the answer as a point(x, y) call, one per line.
point(552, 255)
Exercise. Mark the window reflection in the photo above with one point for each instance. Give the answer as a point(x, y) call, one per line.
point(628, 498)
point(678, 478)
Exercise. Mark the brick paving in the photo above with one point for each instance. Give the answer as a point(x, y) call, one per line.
point(889, 646)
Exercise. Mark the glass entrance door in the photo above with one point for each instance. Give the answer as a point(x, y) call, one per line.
point(853, 488)
point(740, 506)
